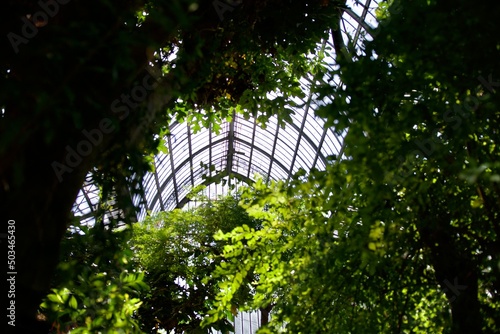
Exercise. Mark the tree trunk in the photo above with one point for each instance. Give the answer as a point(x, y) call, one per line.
point(264, 315)
point(51, 94)
point(40, 206)
point(455, 273)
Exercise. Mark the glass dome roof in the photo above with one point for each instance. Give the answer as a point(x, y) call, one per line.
point(242, 148)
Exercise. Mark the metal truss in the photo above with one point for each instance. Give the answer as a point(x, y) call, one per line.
point(242, 148)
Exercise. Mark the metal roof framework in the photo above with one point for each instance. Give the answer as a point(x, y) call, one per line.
point(242, 148)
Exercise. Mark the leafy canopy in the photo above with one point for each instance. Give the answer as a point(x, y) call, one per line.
point(401, 235)
point(178, 253)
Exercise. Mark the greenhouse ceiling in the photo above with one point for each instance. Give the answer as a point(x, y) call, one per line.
point(242, 147)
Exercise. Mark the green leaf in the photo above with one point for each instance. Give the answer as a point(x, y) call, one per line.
point(73, 303)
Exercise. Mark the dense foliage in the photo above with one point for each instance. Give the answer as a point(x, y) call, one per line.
point(178, 254)
point(93, 87)
point(97, 287)
point(326, 269)
point(152, 278)
point(402, 234)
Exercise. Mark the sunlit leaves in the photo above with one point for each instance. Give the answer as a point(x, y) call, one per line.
point(179, 250)
point(101, 295)
point(362, 242)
